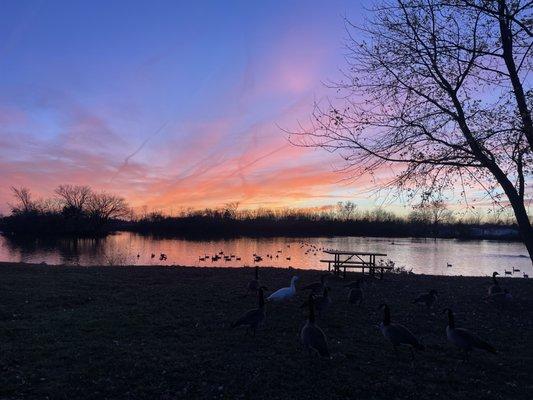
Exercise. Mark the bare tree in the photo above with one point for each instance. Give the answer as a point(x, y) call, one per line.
point(430, 88)
point(230, 209)
point(104, 206)
point(24, 204)
point(74, 199)
point(346, 209)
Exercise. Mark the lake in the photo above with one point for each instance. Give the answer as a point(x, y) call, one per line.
point(425, 256)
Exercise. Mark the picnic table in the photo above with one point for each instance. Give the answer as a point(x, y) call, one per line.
point(343, 259)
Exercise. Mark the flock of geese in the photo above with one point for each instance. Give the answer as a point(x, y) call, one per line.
point(313, 338)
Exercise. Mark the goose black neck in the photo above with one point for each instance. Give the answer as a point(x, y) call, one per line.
point(386, 315)
point(451, 322)
point(494, 279)
point(261, 298)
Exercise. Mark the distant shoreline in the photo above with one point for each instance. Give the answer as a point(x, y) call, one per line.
point(208, 234)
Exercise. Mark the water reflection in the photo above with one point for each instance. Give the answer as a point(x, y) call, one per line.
point(422, 255)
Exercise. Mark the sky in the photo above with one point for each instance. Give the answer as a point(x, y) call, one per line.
point(171, 104)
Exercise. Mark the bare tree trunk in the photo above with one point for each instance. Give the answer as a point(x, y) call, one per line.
point(522, 219)
point(518, 89)
point(519, 208)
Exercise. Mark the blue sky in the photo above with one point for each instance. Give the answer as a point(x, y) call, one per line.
point(170, 104)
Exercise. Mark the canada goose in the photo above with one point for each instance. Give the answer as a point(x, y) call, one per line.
point(253, 318)
point(162, 257)
point(253, 285)
point(152, 256)
point(501, 298)
point(428, 298)
point(398, 334)
point(526, 275)
point(464, 339)
point(495, 287)
point(317, 287)
point(284, 293)
point(311, 335)
point(508, 272)
point(515, 270)
point(449, 265)
point(321, 303)
point(355, 296)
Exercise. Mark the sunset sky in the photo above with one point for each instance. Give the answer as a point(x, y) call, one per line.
point(170, 104)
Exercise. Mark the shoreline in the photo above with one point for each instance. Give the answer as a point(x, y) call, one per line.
point(177, 267)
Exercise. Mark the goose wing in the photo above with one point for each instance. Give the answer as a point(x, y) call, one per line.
point(495, 289)
point(313, 337)
point(315, 286)
point(251, 317)
point(279, 294)
point(473, 340)
point(402, 335)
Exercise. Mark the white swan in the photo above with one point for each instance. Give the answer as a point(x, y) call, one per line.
point(284, 293)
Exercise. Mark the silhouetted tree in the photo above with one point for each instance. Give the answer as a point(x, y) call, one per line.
point(24, 203)
point(437, 89)
point(74, 199)
point(103, 207)
point(346, 209)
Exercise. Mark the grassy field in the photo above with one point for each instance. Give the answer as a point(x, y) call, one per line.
point(163, 333)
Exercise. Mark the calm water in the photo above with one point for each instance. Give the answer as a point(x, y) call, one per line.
point(422, 255)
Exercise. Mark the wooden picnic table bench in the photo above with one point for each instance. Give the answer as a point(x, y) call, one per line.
point(355, 259)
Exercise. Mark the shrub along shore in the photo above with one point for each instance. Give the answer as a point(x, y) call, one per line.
point(164, 332)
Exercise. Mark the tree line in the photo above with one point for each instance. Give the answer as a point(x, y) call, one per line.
point(72, 210)
point(79, 210)
point(426, 219)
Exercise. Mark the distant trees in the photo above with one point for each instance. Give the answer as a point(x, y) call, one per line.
point(24, 202)
point(346, 209)
point(104, 206)
point(439, 89)
point(74, 209)
point(74, 199)
point(431, 211)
